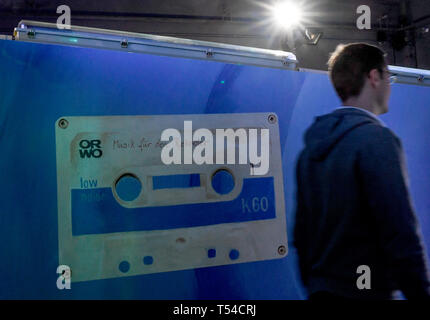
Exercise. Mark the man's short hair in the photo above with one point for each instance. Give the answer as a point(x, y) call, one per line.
point(349, 65)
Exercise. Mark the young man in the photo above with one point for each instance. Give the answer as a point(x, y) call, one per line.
point(353, 203)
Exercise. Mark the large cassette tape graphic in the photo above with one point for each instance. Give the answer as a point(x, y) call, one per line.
point(122, 211)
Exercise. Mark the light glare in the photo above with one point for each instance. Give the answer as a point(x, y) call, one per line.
point(287, 14)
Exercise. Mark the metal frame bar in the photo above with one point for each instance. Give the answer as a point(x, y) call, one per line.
point(419, 77)
point(43, 32)
point(410, 76)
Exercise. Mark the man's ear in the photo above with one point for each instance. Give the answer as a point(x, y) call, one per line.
point(374, 78)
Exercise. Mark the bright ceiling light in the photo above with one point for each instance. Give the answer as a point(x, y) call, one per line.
point(287, 14)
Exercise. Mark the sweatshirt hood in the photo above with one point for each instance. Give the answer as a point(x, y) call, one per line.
point(328, 130)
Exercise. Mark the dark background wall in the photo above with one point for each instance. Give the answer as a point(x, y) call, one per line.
point(401, 26)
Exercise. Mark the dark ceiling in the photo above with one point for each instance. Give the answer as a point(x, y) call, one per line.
point(399, 26)
point(89, 13)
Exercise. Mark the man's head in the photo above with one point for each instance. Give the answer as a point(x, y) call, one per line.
point(360, 76)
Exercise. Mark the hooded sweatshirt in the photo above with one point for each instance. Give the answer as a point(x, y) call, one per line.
point(356, 232)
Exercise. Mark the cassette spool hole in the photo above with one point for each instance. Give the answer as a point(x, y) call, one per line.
point(222, 181)
point(128, 187)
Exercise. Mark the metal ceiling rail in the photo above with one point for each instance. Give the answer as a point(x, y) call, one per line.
point(403, 75)
point(410, 75)
point(43, 32)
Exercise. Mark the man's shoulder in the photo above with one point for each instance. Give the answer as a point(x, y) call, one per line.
point(374, 132)
point(375, 136)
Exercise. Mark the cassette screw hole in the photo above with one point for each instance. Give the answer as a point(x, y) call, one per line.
point(282, 250)
point(222, 181)
point(211, 253)
point(63, 123)
point(128, 187)
point(148, 260)
point(272, 119)
point(124, 266)
point(234, 254)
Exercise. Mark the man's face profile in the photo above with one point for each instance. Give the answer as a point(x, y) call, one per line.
point(380, 82)
point(385, 90)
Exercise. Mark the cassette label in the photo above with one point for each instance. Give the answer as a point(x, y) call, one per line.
point(96, 211)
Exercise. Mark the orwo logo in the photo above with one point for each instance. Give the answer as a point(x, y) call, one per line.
point(90, 148)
